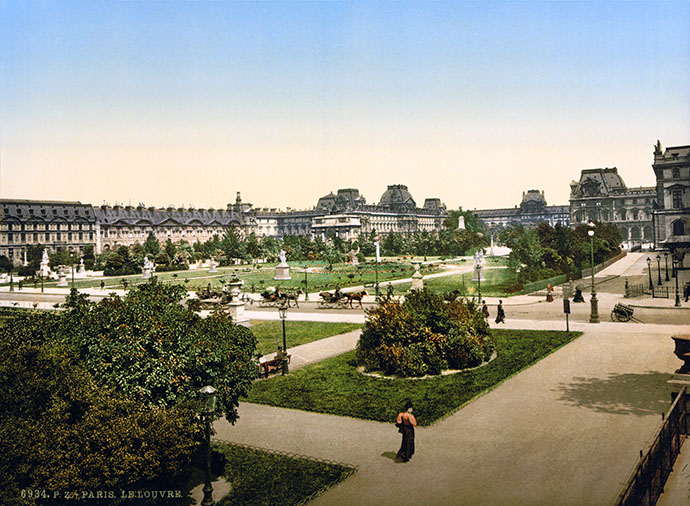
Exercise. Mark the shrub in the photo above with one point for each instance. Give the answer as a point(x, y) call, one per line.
point(424, 335)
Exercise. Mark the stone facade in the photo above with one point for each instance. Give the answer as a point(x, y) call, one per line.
point(51, 224)
point(672, 211)
point(348, 216)
point(602, 196)
point(531, 211)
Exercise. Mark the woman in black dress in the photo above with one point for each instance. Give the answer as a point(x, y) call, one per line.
point(406, 423)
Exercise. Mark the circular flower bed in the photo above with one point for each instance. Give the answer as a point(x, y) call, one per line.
point(424, 335)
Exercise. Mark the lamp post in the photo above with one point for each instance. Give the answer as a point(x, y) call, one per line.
point(666, 260)
point(306, 286)
point(208, 407)
point(649, 271)
point(594, 314)
point(675, 273)
point(282, 311)
point(378, 259)
point(11, 282)
point(658, 267)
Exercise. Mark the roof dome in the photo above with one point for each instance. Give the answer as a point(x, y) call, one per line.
point(397, 196)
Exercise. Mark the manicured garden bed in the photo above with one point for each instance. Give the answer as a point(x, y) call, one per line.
point(262, 478)
point(335, 386)
point(269, 334)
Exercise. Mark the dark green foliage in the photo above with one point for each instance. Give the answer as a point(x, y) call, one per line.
point(60, 431)
point(262, 478)
point(545, 251)
point(120, 263)
point(423, 335)
point(335, 386)
point(149, 347)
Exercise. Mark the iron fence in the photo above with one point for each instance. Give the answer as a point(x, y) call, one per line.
point(645, 485)
point(660, 292)
point(637, 290)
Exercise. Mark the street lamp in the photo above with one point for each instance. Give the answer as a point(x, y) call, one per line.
point(11, 282)
point(378, 257)
point(675, 272)
point(282, 311)
point(594, 314)
point(649, 271)
point(658, 267)
point(306, 286)
point(666, 260)
point(208, 407)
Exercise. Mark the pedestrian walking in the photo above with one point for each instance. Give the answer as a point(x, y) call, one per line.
point(406, 423)
point(102, 285)
point(686, 290)
point(500, 314)
point(485, 311)
point(389, 290)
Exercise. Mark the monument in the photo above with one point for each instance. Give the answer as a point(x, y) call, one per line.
point(212, 264)
point(353, 257)
point(62, 276)
point(147, 268)
point(417, 278)
point(282, 269)
point(478, 274)
point(44, 270)
point(82, 269)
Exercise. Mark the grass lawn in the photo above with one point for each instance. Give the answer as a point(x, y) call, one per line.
point(263, 478)
point(335, 386)
point(255, 280)
point(497, 280)
point(270, 333)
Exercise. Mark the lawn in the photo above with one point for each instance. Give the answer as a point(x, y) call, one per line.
point(261, 477)
point(270, 333)
point(335, 386)
point(256, 280)
point(497, 280)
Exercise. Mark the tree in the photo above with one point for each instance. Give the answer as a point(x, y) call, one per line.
point(154, 350)
point(151, 245)
point(60, 431)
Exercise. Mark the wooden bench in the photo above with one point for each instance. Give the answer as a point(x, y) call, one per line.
point(270, 366)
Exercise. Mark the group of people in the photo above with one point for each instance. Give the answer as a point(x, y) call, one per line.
point(500, 312)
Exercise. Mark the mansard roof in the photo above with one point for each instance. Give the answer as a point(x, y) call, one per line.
point(132, 216)
point(24, 210)
point(397, 195)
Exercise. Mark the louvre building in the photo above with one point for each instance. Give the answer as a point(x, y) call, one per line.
point(73, 225)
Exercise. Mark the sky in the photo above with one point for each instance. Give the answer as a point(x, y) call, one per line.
point(186, 103)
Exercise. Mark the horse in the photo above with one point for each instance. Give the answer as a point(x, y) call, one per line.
point(292, 297)
point(358, 296)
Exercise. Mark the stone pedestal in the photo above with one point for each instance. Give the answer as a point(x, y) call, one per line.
point(236, 306)
point(478, 274)
point(212, 264)
point(282, 271)
point(62, 278)
point(145, 273)
point(417, 278)
point(82, 268)
point(682, 351)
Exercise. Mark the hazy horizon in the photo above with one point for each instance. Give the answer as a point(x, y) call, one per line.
point(469, 102)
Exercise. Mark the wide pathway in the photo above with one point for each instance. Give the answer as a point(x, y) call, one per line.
point(566, 431)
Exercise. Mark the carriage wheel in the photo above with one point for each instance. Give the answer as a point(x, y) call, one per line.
point(614, 316)
point(626, 317)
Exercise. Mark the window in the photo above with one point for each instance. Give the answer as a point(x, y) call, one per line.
point(678, 227)
point(677, 196)
point(676, 173)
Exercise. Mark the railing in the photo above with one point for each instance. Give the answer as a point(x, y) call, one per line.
point(660, 292)
point(637, 290)
point(647, 481)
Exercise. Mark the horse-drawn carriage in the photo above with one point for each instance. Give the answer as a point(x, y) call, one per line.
point(622, 313)
point(275, 298)
point(339, 300)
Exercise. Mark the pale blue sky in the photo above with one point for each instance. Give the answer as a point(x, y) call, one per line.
point(472, 102)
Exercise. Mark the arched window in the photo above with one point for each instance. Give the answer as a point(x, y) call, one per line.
point(678, 227)
point(635, 214)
